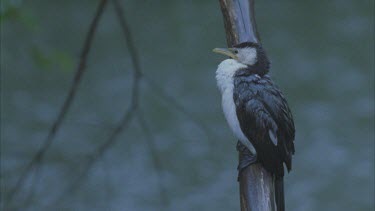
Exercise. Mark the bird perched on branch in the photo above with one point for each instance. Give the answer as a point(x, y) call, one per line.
point(257, 111)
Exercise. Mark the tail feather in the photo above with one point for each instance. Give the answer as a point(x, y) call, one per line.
point(279, 193)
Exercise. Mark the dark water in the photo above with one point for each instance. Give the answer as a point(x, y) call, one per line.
point(322, 58)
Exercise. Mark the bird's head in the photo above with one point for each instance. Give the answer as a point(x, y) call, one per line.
point(248, 53)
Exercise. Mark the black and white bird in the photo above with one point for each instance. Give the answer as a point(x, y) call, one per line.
point(256, 110)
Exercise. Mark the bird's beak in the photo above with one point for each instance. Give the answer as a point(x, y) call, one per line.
point(226, 51)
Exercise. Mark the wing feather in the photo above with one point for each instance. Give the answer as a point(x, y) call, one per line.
point(266, 120)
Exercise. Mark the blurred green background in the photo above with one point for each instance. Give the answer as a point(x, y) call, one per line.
point(322, 57)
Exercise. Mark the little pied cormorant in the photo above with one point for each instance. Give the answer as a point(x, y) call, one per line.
point(256, 110)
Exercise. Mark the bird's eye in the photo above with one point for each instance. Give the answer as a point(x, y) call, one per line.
point(236, 51)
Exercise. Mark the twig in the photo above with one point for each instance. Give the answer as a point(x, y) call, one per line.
point(128, 115)
point(129, 39)
point(150, 82)
point(33, 188)
point(172, 102)
point(38, 158)
point(137, 76)
point(108, 190)
point(150, 140)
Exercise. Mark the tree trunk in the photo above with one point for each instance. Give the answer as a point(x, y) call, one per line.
point(256, 184)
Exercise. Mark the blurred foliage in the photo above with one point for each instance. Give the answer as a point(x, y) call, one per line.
point(47, 61)
point(13, 10)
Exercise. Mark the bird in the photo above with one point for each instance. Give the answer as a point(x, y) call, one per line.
point(256, 110)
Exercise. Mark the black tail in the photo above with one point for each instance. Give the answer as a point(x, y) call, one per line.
point(279, 193)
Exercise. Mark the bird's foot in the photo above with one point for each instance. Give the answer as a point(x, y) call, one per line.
point(246, 158)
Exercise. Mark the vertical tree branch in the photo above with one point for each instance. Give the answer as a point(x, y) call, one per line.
point(239, 21)
point(256, 184)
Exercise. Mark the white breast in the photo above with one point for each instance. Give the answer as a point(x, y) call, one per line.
point(225, 82)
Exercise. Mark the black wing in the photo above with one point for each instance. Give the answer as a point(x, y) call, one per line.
point(266, 120)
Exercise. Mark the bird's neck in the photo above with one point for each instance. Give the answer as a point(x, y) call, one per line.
point(261, 66)
point(254, 70)
point(225, 72)
point(248, 71)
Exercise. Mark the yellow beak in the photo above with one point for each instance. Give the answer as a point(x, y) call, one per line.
point(226, 51)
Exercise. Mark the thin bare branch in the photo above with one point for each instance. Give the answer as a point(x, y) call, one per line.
point(98, 154)
point(172, 102)
point(128, 37)
point(128, 116)
point(129, 113)
point(34, 187)
point(150, 141)
point(38, 158)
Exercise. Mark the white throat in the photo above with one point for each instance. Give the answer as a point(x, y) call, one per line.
point(225, 73)
point(225, 82)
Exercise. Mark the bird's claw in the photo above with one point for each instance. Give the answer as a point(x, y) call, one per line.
point(246, 158)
